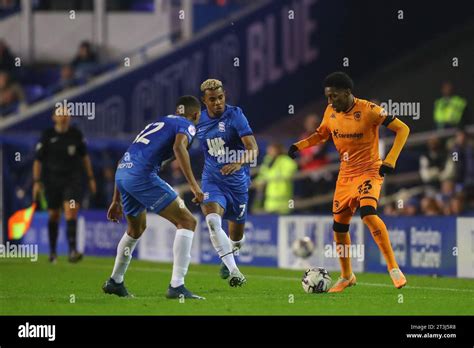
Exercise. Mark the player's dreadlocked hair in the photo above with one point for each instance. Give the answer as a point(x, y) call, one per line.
point(211, 84)
point(339, 80)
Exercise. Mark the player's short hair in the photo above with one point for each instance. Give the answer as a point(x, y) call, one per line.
point(188, 103)
point(339, 80)
point(211, 84)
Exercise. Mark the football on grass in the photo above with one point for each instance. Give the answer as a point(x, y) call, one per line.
point(316, 280)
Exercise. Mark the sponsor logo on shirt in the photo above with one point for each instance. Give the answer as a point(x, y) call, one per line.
point(337, 135)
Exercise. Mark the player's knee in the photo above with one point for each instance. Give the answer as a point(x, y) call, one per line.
point(340, 228)
point(367, 211)
point(135, 233)
point(188, 222)
point(213, 222)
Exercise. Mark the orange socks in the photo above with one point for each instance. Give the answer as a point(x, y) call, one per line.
point(344, 238)
point(380, 234)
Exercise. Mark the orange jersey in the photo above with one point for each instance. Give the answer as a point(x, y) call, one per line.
point(355, 134)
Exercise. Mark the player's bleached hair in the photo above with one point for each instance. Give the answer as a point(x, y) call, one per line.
point(211, 84)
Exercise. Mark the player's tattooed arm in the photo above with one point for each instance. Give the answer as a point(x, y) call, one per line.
point(250, 157)
point(180, 149)
point(402, 131)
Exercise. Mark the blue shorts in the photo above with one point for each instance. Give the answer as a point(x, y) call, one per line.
point(139, 193)
point(235, 204)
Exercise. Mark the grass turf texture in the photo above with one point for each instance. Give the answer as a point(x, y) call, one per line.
point(39, 288)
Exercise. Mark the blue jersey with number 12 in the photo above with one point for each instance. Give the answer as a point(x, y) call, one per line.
point(153, 145)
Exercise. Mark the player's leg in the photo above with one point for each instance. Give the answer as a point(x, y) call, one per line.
point(53, 222)
point(237, 214)
point(213, 210)
point(136, 225)
point(342, 215)
point(368, 211)
point(71, 210)
point(177, 213)
point(53, 198)
point(161, 199)
point(236, 234)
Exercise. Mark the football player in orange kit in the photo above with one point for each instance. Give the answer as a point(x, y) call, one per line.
point(354, 124)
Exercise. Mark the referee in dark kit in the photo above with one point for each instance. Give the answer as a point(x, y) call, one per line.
point(61, 159)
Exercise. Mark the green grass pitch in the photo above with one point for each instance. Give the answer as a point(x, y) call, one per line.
point(38, 288)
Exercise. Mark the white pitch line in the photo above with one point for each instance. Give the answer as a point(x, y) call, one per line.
point(146, 269)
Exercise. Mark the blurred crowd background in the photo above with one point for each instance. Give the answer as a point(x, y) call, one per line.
point(435, 174)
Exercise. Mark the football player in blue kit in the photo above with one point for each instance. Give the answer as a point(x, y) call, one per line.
point(139, 189)
point(229, 148)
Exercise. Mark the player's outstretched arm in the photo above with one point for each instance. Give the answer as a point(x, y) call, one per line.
point(402, 131)
point(180, 149)
point(320, 136)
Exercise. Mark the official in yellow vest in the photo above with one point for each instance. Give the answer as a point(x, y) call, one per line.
point(449, 109)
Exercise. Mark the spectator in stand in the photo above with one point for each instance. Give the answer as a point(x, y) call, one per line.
point(67, 79)
point(462, 156)
point(429, 207)
point(85, 63)
point(456, 205)
point(450, 109)
point(7, 61)
point(434, 166)
point(443, 198)
point(11, 94)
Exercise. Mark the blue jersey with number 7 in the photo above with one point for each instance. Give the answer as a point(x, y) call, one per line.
point(153, 145)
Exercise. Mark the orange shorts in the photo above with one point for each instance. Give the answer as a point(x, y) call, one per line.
point(354, 191)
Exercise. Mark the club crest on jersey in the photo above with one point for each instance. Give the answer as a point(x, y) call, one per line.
point(357, 115)
point(221, 127)
point(333, 115)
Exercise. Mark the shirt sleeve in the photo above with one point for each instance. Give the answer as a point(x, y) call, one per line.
point(321, 135)
point(187, 129)
point(40, 151)
point(379, 116)
point(241, 124)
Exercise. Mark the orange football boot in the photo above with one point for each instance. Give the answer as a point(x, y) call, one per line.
point(398, 278)
point(343, 283)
